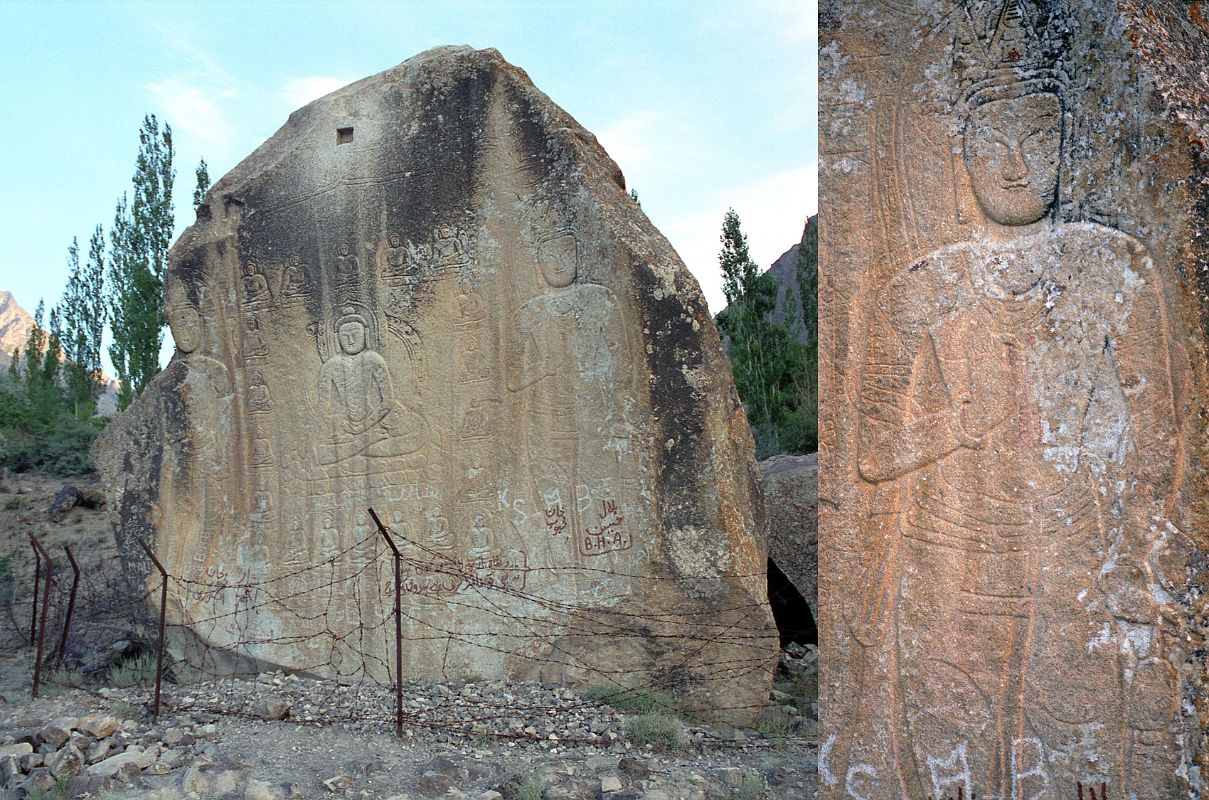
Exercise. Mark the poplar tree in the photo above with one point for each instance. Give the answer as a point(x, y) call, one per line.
point(203, 184)
point(767, 361)
point(138, 245)
point(807, 278)
point(35, 344)
point(52, 357)
point(41, 374)
point(83, 314)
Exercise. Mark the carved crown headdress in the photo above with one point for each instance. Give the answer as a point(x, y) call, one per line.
point(1012, 49)
point(192, 291)
point(349, 314)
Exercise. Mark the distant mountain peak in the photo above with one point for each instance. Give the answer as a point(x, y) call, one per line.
point(15, 325)
point(785, 271)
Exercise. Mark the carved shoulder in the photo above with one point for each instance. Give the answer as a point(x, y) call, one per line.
point(926, 290)
point(1116, 247)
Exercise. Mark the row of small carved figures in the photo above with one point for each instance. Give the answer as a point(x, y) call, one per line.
point(1089, 795)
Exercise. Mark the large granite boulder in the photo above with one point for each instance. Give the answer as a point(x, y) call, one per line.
point(1014, 246)
point(791, 497)
point(429, 294)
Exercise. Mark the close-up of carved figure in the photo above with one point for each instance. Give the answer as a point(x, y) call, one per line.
point(1017, 450)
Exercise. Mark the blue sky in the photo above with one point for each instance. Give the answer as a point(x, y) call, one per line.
point(704, 104)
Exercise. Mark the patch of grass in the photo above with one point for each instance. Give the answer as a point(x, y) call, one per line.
point(775, 723)
point(137, 671)
point(63, 678)
point(751, 787)
point(529, 788)
point(635, 701)
point(659, 731)
point(123, 710)
point(522, 787)
point(59, 790)
point(803, 689)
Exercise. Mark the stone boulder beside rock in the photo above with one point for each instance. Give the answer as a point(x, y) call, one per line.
point(791, 497)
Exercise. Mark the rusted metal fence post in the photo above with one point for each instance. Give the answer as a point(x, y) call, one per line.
point(47, 578)
point(33, 613)
point(71, 600)
point(398, 624)
point(159, 655)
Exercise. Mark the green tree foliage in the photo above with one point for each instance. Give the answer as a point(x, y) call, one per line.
point(807, 278)
point(769, 363)
point(83, 314)
point(52, 358)
point(38, 430)
point(35, 341)
point(203, 184)
point(138, 245)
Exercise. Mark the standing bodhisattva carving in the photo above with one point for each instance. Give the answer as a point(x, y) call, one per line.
point(571, 361)
point(1003, 406)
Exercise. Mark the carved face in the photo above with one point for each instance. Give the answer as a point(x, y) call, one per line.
point(1012, 149)
point(558, 261)
point(352, 338)
point(185, 324)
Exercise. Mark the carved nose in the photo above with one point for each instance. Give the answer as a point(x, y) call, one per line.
point(1015, 170)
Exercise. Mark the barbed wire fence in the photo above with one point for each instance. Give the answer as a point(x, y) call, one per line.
point(356, 615)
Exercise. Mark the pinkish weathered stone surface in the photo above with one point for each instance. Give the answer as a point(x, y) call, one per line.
point(1013, 250)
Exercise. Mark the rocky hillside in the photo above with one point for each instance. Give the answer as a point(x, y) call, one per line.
point(785, 269)
point(15, 325)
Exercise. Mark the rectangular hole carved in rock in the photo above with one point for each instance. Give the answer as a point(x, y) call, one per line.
point(344, 135)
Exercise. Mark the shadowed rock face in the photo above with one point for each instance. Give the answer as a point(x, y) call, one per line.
point(429, 294)
point(791, 493)
point(1012, 504)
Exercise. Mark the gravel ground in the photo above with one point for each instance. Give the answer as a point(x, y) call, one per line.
point(282, 736)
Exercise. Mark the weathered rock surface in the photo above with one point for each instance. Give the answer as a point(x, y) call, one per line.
point(430, 294)
point(1014, 244)
point(70, 496)
point(791, 497)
